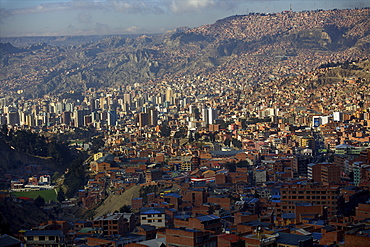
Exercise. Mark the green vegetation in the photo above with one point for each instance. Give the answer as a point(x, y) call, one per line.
point(165, 130)
point(145, 190)
point(38, 145)
point(75, 179)
point(48, 195)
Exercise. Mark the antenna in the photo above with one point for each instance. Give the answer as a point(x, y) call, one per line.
point(291, 8)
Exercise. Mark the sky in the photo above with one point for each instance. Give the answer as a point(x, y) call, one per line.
point(101, 17)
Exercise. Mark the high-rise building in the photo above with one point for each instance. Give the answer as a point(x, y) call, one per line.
point(79, 118)
point(205, 116)
point(338, 116)
point(127, 99)
point(45, 106)
point(92, 104)
point(153, 117)
point(143, 119)
point(66, 117)
point(112, 118)
point(13, 118)
point(169, 95)
point(59, 107)
point(2, 102)
point(212, 115)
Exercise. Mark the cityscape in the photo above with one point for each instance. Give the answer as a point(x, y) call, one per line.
point(252, 131)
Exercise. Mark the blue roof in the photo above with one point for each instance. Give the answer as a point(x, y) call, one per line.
point(288, 215)
point(173, 195)
point(43, 233)
point(226, 153)
point(152, 211)
point(208, 217)
point(291, 239)
point(251, 200)
point(256, 223)
point(318, 222)
point(182, 217)
point(7, 240)
point(185, 229)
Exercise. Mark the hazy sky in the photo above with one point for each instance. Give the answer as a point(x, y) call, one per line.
point(81, 17)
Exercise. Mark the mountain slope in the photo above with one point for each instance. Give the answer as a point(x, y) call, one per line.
point(250, 44)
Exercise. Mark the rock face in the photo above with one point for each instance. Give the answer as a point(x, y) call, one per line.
point(107, 61)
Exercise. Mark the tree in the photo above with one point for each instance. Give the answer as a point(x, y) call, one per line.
point(125, 209)
point(230, 166)
point(196, 136)
point(39, 201)
point(227, 142)
point(191, 138)
point(97, 143)
point(4, 129)
point(165, 131)
point(60, 196)
point(237, 143)
point(212, 137)
point(75, 178)
point(55, 176)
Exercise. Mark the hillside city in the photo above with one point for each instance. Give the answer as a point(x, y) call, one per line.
point(266, 149)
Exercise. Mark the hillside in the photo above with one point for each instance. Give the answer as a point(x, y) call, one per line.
point(248, 48)
point(115, 202)
point(14, 159)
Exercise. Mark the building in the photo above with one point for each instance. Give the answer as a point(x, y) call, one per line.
point(211, 223)
point(324, 172)
point(190, 237)
point(153, 175)
point(9, 241)
point(153, 216)
point(44, 238)
point(143, 119)
point(112, 224)
point(326, 196)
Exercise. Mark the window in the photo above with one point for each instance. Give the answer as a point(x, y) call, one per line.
point(150, 221)
point(51, 238)
point(144, 218)
point(41, 238)
point(160, 220)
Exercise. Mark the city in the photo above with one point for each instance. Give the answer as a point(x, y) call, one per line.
point(262, 150)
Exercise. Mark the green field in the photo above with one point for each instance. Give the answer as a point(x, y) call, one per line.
point(48, 195)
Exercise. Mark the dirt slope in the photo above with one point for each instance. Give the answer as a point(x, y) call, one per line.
point(115, 202)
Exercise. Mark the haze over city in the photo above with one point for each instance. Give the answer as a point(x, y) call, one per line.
point(101, 17)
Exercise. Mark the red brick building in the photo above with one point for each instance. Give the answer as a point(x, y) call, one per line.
point(195, 196)
point(112, 224)
point(190, 237)
point(210, 223)
point(315, 194)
